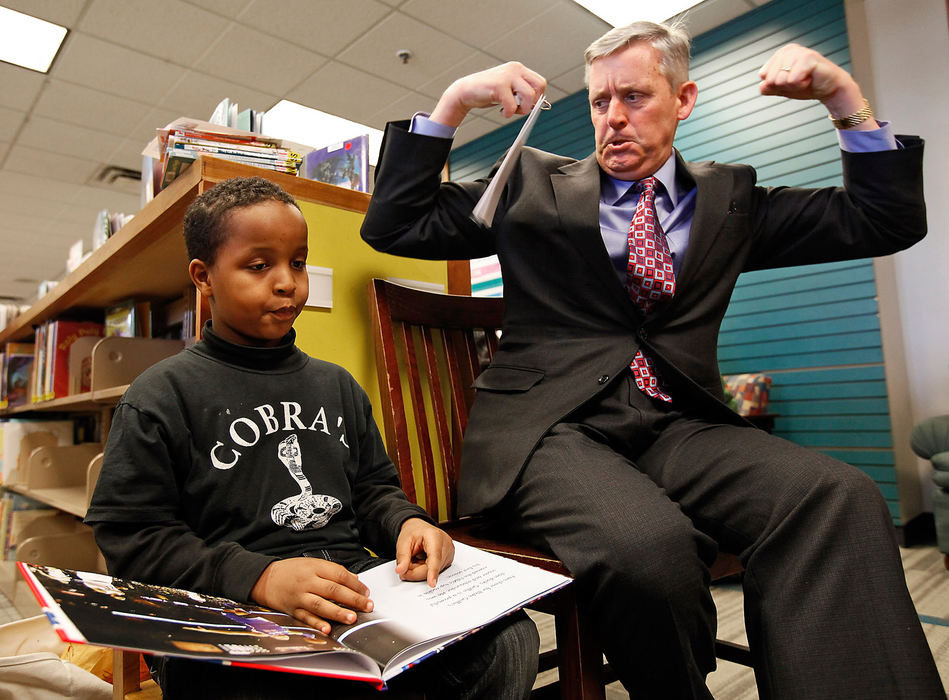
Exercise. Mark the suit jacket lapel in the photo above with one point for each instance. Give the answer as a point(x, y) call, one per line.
point(712, 206)
point(577, 194)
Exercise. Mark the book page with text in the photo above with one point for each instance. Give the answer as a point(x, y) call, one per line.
point(477, 588)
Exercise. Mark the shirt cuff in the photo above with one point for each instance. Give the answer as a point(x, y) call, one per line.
point(881, 139)
point(421, 124)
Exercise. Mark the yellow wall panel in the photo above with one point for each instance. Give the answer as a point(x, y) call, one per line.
point(342, 334)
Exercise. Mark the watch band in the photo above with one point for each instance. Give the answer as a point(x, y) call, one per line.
point(851, 120)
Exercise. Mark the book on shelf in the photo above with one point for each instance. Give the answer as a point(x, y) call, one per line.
point(35, 392)
point(179, 143)
point(174, 319)
point(129, 318)
point(409, 623)
point(251, 120)
point(7, 352)
point(17, 373)
point(107, 223)
point(143, 319)
point(222, 113)
point(8, 312)
point(189, 331)
point(53, 341)
point(344, 164)
point(175, 164)
point(227, 113)
point(179, 158)
point(63, 335)
point(274, 158)
point(151, 179)
point(76, 256)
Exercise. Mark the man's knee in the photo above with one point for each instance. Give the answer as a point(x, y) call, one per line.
point(844, 489)
point(831, 497)
point(656, 561)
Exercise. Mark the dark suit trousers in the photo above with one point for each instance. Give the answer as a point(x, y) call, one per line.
point(637, 497)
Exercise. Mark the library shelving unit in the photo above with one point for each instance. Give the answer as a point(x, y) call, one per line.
point(146, 259)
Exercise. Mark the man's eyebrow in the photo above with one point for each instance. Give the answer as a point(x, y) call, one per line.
point(593, 94)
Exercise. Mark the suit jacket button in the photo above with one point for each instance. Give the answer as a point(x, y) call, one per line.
point(603, 379)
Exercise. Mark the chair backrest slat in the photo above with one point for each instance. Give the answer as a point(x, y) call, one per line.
point(423, 436)
point(390, 390)
point(445, 341)
point(460, 378)
point(440, 414)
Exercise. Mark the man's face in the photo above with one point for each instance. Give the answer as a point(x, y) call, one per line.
point(635, 111)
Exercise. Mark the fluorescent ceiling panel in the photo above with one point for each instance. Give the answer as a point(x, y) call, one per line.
point(619, 14)
point(311, 127)
point(28, 41)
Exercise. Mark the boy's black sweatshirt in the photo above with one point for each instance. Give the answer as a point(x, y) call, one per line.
point(224, 458)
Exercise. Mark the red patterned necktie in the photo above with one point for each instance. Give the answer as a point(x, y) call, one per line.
point(649, 276)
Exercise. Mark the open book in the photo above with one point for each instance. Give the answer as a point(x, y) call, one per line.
point(410, 621)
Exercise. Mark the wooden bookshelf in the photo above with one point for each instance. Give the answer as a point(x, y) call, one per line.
point(68, 499)
point(147, 257)
point(76, 403)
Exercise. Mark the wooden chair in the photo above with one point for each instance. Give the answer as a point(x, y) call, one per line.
point(436, 344)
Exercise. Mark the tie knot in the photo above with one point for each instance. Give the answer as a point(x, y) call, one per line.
point(647, 185)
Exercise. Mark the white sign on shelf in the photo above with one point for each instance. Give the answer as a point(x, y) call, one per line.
point(321, 287)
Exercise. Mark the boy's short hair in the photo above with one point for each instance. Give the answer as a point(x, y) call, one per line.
point(204, 229)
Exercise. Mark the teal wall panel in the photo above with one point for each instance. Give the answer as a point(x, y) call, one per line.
point(814, 329)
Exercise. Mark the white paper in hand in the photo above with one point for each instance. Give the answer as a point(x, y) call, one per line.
point(483, 211)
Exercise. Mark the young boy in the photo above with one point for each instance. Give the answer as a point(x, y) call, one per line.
point(244, 468)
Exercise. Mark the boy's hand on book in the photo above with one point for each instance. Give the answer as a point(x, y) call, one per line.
point(422, 551)
point(312, 590)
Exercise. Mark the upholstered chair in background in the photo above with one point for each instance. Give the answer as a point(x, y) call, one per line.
point(930, 440)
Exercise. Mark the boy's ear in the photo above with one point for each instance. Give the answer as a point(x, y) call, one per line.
point(198, 270)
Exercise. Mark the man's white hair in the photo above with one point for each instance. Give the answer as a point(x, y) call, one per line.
point(670, 40)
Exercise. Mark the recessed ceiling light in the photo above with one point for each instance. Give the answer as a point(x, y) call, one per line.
point(29, 41)
point(619, 14)
point(311, 127)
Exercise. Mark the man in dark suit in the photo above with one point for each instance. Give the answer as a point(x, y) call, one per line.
point(599, 430)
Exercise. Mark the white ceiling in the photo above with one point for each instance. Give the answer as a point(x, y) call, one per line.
point(130, 66)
